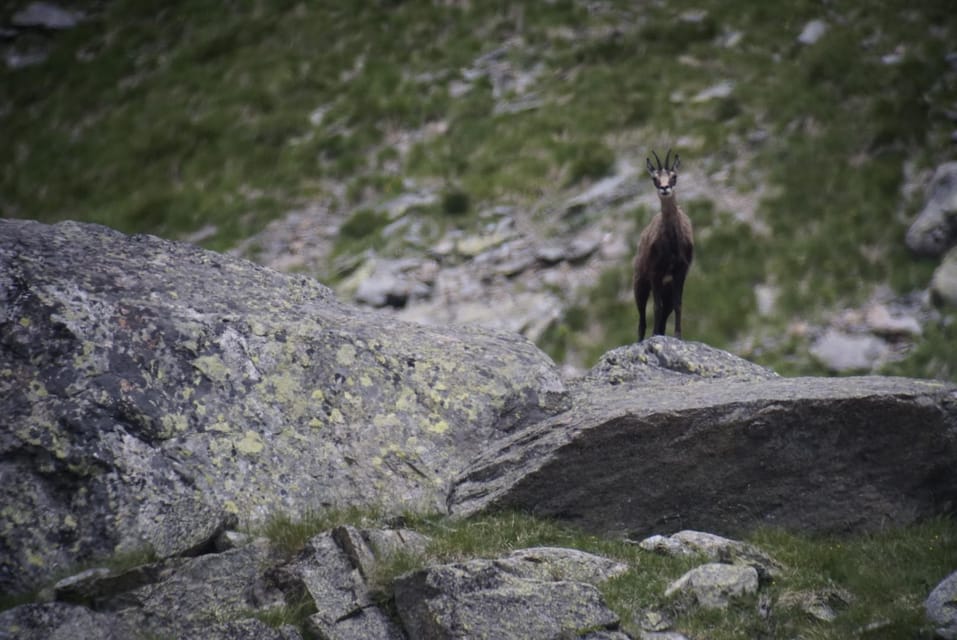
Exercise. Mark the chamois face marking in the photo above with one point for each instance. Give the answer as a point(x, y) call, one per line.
point(664, 178)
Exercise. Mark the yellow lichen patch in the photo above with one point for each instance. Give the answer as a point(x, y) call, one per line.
point(346, 355)
point(35, 559)
point(251, 443)
point(383, 421)
point(212, 367)
point(174, 422)
point(318, 395)
point(220, 426)
point(230, 506)
point(315, 423)
point(336, 416)
point(440, 426)
point(365, 380)
point(69, 521)
point(24, 321)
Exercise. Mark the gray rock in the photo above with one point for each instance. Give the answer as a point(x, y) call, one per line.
point(714, 585)
point(715, 548)
point(943, 285)
point(821, 604)
point(880, 321)
point(201, 591)
point(941, 607)
point(334, 569)
point(61, 621)
point(934, 230)
point(149, 388)
point(812, 32)
point(45, 15)
point(650, 449)
point(840, 351)
point(514, 597)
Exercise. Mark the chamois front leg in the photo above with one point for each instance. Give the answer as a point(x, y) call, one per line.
point(642, 289)
point(661, 312)
point(679, 290)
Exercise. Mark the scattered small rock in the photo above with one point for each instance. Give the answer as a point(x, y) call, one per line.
point(714, 585)
point(840, 351)
point(941, 607)
point(934, 230)
point(943, 284)
point(812, 32)
point(715, 548)
point(45, 15)
point(821, 604)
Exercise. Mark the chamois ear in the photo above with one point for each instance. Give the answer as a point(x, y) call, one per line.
point(651, 167)
point(677, 163)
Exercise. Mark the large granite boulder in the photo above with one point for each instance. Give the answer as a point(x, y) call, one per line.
point(668, 435)
point(150, 390)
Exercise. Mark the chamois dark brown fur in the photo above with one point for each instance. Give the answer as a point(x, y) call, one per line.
point(665, 251)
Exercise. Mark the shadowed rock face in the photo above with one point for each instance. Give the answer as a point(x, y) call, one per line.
point(149, 389)
point(666, 435)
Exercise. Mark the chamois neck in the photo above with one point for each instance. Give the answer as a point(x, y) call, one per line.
point(669, 206)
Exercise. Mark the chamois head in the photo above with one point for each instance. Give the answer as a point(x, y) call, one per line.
point(665, 178)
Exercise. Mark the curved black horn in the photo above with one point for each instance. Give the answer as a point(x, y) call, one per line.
point(667, 159)
point(657, 159)
point(651, 167)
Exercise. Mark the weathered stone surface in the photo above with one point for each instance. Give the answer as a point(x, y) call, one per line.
point(502, 599)
point(45, 15)
point(649, 449)
point(61, 621)
point(714, 585)
point(715, 548)
point(934, 230)
point(822, 604)
point(202, 591)
point(941, 607)
point(148, 388)
point(840, 351)
point(943, 284)
point(334, 569)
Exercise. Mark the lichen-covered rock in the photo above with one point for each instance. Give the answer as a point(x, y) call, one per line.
point(714, 585)
point(647, 449)
point(149, 388)
point(204, 590)
point(934, 230)
point(61, 621)
point(943, 284)
point(335, 569)
point(715, 548)
point(941, 607)
point(508, 598)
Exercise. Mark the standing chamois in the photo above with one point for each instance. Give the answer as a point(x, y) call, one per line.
point(665, 250)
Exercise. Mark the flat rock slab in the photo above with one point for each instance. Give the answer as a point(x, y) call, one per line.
point(653, 451)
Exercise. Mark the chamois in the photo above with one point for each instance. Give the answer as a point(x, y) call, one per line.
point(665, 251)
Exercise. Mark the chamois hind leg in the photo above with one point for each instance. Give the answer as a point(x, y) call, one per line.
point(642, 289)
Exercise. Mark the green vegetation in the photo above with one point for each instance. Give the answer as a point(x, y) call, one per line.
point(885, 576)
point(201, 116)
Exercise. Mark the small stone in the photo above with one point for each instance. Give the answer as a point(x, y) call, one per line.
point(880, 321)
point(714, 585)
point(941, 607)
point(45, 15)
point(812, 32)
point(721, 90)
point(840, 351)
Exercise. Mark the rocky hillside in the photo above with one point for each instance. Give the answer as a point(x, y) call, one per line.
point(164, 406)
point(467, 161)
